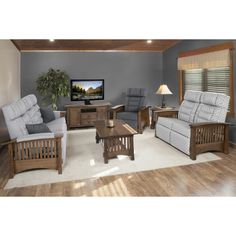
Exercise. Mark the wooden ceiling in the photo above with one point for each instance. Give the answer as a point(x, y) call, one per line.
point(94, 45)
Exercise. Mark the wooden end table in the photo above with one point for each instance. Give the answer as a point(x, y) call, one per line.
point(117, 140)
point(155, 111)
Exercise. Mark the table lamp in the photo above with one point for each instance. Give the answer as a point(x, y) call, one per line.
point(163, 90)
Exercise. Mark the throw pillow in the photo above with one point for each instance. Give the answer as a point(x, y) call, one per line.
point(47, 114)
point(37, 128)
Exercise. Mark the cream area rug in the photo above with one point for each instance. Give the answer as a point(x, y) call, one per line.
point(85, 159)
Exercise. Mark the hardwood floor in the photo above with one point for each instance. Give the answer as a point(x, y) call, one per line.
point(215, 178)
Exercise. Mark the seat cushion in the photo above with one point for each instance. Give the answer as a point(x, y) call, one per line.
point(127, 115)
point(180, 142)
point(176, 125)
point(167, 122)
point(163, 132)
point(181, 127)
point(58, 125)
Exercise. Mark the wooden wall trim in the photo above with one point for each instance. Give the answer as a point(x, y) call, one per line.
point(218, 47)
point(15, 45)
point(231, 83)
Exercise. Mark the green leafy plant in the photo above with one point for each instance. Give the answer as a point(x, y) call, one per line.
point(52, 85)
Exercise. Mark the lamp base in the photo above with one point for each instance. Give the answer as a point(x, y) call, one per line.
point(163, 105)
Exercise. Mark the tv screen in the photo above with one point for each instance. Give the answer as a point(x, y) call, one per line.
point(86, 90)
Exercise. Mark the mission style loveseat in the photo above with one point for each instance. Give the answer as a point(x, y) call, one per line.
point(198, 126)
point(32, 151)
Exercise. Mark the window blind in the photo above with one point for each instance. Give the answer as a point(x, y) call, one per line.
point(193, 80)
point(215, 80)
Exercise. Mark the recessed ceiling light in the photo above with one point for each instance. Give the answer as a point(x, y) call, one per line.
point(51, 40)
point(149, 41)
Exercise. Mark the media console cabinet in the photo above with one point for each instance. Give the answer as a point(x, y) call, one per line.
point(85, 115)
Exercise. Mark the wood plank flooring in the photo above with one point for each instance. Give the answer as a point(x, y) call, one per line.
point(215, 178)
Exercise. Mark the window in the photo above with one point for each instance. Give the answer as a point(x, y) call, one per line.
point(197, 72)
point(215, 80)
point(211, 80)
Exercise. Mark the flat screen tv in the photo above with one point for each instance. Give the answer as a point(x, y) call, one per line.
point(87, 90)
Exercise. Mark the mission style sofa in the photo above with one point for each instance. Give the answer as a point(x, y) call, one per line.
point(32, 151)
point(198, 126)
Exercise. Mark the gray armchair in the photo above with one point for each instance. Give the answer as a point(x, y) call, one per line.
point(133, 112)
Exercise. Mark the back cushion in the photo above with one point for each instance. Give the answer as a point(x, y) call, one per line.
point(134, 103)
point(19, 113)
point(135, 98)
point(213, 107)
point(189, 106)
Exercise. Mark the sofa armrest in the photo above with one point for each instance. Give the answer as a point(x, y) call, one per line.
point(144, 108)
point(209, 132)
point(31, 137)
point(59, 114)
point(206, 124)
point(116, 109)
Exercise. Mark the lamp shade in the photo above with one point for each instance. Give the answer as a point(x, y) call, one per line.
point(163, 89)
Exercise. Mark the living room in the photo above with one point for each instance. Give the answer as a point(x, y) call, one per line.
point(146, 67)
point(100, 145)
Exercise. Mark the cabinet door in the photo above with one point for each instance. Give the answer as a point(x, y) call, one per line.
point(74, 117)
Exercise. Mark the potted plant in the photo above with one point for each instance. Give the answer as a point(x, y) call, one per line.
point(52, 85)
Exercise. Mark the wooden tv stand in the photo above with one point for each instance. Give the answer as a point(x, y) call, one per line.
point(85, 115)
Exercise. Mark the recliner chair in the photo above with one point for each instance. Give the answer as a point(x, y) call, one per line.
point(133, 112)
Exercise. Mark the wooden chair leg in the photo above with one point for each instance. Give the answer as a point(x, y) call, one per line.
point(193, 156)
point(226, 140)
point(11, 161)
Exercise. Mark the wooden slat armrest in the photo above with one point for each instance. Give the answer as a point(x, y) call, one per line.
point(207, 124)
point(62, 113)
point(118, 108)
point(8, 142)
point(58, 135)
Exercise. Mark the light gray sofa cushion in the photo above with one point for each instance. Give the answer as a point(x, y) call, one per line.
point(213, 107)
point(182, 128)
point(180, 142)
point(179, 126)
point(189, 106)
point(18, 113)
point(167, 122)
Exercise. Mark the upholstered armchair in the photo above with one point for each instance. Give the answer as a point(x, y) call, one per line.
point(199, 125)
point(38, 150)
point(133, 112)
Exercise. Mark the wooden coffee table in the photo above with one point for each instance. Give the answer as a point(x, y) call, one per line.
point(117, 140)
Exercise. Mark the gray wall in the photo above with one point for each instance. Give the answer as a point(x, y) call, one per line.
point(120, 70)
point(170, 72)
